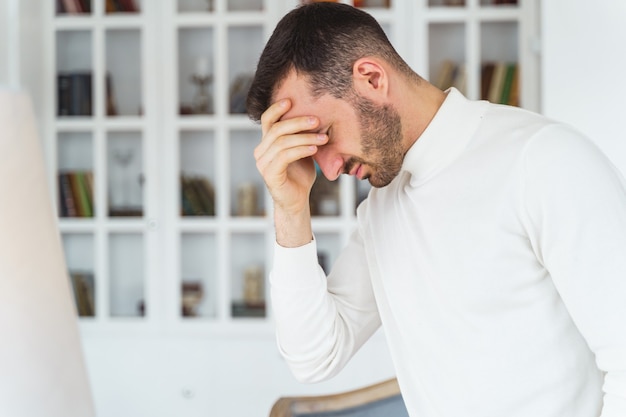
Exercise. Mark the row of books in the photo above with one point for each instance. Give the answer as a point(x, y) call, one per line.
point(500, 82)
point(75, 94)
point(84, 6)
point(197, 196)
point(451, 74)
point(76, 194)
point(73, 6)
point(124, 6)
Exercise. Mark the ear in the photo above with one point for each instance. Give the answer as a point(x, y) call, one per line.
point(370, 78)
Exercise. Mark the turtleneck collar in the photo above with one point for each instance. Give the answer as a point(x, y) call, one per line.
point(445, 138)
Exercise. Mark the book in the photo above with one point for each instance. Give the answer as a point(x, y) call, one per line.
point(74, 91)
point(111, 7)
point(514, 94)
point(111, 107)
point(486, 76)
point(84, 292)
point(84, 194)
point(64, 97)
point(76, 194)
point(460, 79)
point(121, 6)
point(446, 75)
point(508, 83)
point(497, 81)
point(67, 205)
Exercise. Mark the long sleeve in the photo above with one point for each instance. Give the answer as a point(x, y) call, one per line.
point(576, 204)
point(321, 322)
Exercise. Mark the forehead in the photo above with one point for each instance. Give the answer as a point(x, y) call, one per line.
point(296, 87)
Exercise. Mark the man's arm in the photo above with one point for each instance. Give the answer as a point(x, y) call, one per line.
point(320, 322)
point(576, 201)
point(284, 159)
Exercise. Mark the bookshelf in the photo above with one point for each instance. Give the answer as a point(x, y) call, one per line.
point(144, 114)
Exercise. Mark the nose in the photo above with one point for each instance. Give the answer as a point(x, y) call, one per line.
point(329, 162)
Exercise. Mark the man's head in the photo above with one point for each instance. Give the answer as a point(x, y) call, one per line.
point(333, 62)
point(321, 41)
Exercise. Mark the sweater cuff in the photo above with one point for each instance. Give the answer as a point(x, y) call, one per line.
point(295, 267)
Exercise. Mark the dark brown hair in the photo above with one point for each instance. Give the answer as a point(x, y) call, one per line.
point(322, 41)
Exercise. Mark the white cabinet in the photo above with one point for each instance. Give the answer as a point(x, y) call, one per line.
point(164, 218)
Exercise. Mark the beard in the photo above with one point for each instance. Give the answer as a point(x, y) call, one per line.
point(381, 142)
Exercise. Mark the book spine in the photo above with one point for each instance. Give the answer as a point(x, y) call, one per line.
point(68, 203)
point(64, 94)
point(84, 194)
point(486, 76)
point(495, 88)
point(71, 7)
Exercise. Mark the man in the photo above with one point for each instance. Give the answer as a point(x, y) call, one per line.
point(492, 249)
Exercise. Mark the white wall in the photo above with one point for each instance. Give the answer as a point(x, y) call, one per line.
point(8, 43)
point(21, 48)
point(200, 377)
point(584, 69)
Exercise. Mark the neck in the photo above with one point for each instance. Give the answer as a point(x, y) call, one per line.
point(419, 102)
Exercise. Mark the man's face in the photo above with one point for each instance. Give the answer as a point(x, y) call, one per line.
point(365, 139)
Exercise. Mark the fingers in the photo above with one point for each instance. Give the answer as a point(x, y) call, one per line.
point(283, 157)
point(286, 140)
point(285, 150)
point(274, 113)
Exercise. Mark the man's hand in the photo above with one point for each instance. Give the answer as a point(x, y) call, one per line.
point(284, 159)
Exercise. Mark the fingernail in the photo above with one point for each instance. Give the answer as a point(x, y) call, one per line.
point(312, 120)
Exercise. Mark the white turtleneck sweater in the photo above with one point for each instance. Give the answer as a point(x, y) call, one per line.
point(496, 263)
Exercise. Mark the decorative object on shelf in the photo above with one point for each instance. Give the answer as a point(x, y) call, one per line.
point(121, 204)
point(253, 302)
point(197, 196)
point(192, 294)
point(238, 93)
point(324, 198)
point(202, 101)
point(141, 308)
point(247, 199)
point(210, 6)
point(253, 288)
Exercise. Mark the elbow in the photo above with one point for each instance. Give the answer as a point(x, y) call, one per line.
point(314, 368)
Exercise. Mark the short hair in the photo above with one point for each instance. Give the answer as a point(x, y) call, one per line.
point(322, 41)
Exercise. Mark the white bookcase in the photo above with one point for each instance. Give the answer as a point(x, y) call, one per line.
point(145, 128)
